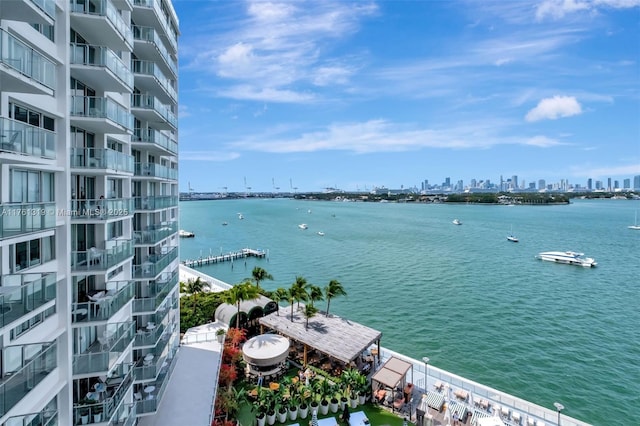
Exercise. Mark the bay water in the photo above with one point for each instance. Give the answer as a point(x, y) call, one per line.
point(476, 304)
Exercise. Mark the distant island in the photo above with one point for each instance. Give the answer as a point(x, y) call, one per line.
point(499, 198)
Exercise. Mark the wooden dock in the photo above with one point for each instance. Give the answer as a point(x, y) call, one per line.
point(231, 256)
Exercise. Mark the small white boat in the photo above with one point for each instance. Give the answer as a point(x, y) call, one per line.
point(321, 233)
point(186, 234)
point(303, 226)
point(512, 237)
point(568, 258)
point(635, 225)
point(240, 216)
point(456, 222)
point(224, 223)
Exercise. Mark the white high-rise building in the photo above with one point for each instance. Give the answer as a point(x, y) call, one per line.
point(89, 312)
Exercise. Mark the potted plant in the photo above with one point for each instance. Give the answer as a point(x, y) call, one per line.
point(363, 388)
point(305, 395)
point(220, 335)
point(294, 403)
point(281, 405)
point(353, 398)
point(97, 413)
point(335, 398)
point(84, 410)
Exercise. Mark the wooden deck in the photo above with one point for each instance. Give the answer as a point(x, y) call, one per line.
point(231, 256)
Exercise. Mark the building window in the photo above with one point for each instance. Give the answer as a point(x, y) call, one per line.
point(32, 186)
point(29, 116)
point(31, 253)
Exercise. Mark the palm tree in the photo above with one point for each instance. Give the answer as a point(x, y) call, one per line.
point(299, 290)
point(315, 294)
point(239, 293)
point(309, 312)
point(258, 274)
point(333, 289)
point(279, 295)
point(193, 288)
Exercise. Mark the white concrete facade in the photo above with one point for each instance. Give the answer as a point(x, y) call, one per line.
point(89, 303)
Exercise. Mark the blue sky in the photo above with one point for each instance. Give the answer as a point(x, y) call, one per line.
point(358, 94)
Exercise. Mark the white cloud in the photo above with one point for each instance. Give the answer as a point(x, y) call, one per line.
point(265, 94)
point(558, 9)
point(216, 156)
point(542, 142)
point(589, 171)
point(553, 108)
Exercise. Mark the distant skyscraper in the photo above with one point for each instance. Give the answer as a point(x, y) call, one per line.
point(636, 182)
point(590, 184)
point(609, 187)
point(542, 184)
point(514, 181)
point(626, 184)
point(599, 185)
point(616, 184)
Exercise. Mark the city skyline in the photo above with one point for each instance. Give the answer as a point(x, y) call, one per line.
point(311, 95)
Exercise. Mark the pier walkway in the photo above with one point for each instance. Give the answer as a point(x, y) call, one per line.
point(231, 256)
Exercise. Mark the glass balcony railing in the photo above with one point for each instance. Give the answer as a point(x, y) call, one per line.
point(24, 367)
point(125, 416)
point(102, 208)
point(96, 107)
point(155, 137)
point(104, 306)
point(25, 60)
point(101, 354)
point(117, 385)
point(145, 371)
point(47, 6)
point(101, 158)
point(155, 264)
point(150, 405)
point(157, 8)
point(100, 56)
point(42, 418)
point(155, 234)
point(150, 68)
point(22, 294)
point(155, 203)
point(17, 219)
point(150, 297)
point(150, 35)
point(22, 138)
point(106, 9)
point(153, 103)
point(114, 252)
point(155, 170)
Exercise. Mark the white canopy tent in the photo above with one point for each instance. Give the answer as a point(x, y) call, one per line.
point(266, 350)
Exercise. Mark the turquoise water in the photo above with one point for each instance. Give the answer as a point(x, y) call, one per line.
point(477, 305)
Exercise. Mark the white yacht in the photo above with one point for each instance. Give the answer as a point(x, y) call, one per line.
point(303, 226)
point(567, 257)
point(456, 222)
point(321, 233)
point(635, 225)
point(186, 234)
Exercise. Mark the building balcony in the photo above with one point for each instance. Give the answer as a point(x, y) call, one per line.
point(149, 45)
point(149, 404)
point(100, 21)
point(149, 108)
point(154, 234)
point(25, 70)
point(100, 68)
point(150, 138)
point(21, 138)
point(106, 257)
point(22, 294)
point(42, 418)
point(35, 11)
point(24, 367)
point(155, 203)
point(125, 415)
point(101, 159)
point(149, 13)
point(150, 296)
point(108, 409)
point(97, 355)
point(149, 78)
point(150, 370)
point(100, 115)
point(102, 305)
point(155, 170)
point(19, 219)
point(101, 209)
point(155, 264)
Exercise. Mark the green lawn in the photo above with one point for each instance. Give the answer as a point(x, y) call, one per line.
point(377, 416)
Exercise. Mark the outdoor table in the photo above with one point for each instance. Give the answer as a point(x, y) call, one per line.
point(149, 389)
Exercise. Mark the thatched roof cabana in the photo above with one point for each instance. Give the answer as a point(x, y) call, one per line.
point(334, 336)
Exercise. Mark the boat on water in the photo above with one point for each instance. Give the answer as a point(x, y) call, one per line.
point(635, 225)
point(456, 222)
point(224, 223)
point(568, 258)
point(303, 226)
point(321, 233)
point(512, 237)
point(186, 234)
point(240, 216)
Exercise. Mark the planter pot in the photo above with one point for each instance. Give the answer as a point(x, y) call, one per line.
point(324, 408)
point(282, 416)
point(261, 418)
point(354, 403)
point(293, 413)
point(84, 419)
point(343, 403)
point(362, 399)
point(303, 412)
point(333, 406)
point(271, 418)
